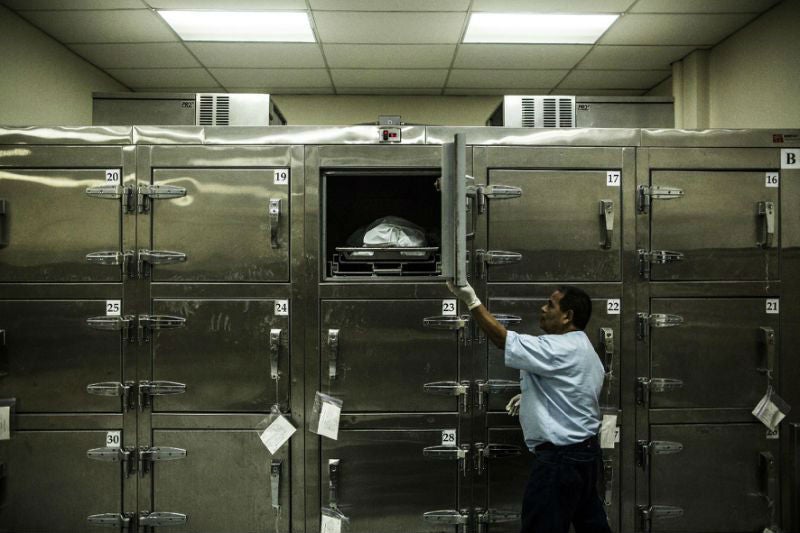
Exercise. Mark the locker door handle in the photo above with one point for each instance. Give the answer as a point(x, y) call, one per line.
point(333, 483)
point(607, 342)
point(274, 220)
point(769, 484)
point(274, 352)
point(768, 336)
point(607, 212)
point(3, 223)
point(766, 210)
point(608, 481)
point(333, 352)
point(275, 482)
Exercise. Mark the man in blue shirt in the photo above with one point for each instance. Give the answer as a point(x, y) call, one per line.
point(561, 377)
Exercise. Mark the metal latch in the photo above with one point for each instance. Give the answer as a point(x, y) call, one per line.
point(658, 320)
point(125, 324)
point(657, 512)
point(644, 450)
point(114, 388)
point(494, 516)
point(607, 213)
point(147, 323)
point(766, 211)
point(157, 257)
point(114, 192)
point(333, 352)
point(158, 453)
point(768, 338)
point(449, 517)
point(115, 520)
point(495, 257)
point(147, 389)
point(658, 257)
point(147, 519)
point(493, 451)
point(333, 483)
point(608, 481)
point(607, 342)
point(275, 482)
point(507, 320)
point(114, 455)
point(147, 193)
point(449, 453)
point(495, 192)
point(113, 258)
point(274, 352)
point(493, 386)
point(645, 195)
point(644, 386)
point(450, 323)
point(274, 220)
point(451, 388)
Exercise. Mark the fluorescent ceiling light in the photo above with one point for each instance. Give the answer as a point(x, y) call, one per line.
point(242, 26)
point(536, 28)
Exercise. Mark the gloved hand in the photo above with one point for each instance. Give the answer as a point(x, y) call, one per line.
point(466, 294)
point(512, 408)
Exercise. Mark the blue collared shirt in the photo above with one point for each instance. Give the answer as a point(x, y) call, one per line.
point(561, 377)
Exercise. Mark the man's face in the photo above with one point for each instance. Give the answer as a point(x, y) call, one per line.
point(551, 318)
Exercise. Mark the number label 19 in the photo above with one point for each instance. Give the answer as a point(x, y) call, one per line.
point(113, 439)
point(613, 177)
point(613, 307)
point(281, 176)
point(448, 437)
point(773, 306)
point(773, 179)
point(281, 307)
point(113, 307)
point(449, 307)
point(113, 176)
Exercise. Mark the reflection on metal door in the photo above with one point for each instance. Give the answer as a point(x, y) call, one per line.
point(572, 221)
point(738, 216)
point(51, 219)
point(231, 225)
point(381, 345)
point(231, 355)
point(710, 353)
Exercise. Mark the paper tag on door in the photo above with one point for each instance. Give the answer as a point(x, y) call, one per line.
point(5, 423)
point(277, 434)
point(330, 524)
point(771, 410)
point(329, 421)
point(608, 431)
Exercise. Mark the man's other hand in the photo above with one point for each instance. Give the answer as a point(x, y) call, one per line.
point(466, 294)
point(512, 408)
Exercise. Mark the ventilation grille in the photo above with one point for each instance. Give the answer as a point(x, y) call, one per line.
point(566, 113)
point(539, 111)
point(528, 113)
point(206, 111)
point(550, 115)
point(214, 110)
point(223, 111)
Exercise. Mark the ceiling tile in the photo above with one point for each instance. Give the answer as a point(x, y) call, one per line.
point(610, 92)
point(124, 26)
point(73, 4)
point(389, 55)
point(286, 90)
point(706, 6)
point(140, 78)
point(613, 79)
point(407, 78)
point(462, 91)
point(258, 55)
point(550, 6)
point(383, 28)
point(634, 57)
point(697, 29)
point(523, 56)
point(230, 5)
point(389, 5)
point(388, 90)
point(262, 77)
point(520, 79)
point(136, 55)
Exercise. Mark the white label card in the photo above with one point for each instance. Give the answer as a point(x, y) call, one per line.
point(113, 176)
point(613, 307)
point(281, 176)
point(609, 433)
point(329, 421)
point(5, 422)
point(113, 439)
point(448, 437)
point(113, 307)
point(281, 307)
point(613, 178)
point(772, 179)
point(790, 158)
point(277, 434)
point(773, 306)
point(449, 307)
point(330, 524)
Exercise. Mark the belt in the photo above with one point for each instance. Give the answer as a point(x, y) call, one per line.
point(550, 446)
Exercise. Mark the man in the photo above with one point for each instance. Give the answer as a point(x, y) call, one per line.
point(561, 377)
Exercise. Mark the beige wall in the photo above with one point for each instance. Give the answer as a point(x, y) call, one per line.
point(42, 83)
point(431, 110)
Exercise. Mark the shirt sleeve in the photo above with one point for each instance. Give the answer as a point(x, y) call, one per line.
point(538, 355)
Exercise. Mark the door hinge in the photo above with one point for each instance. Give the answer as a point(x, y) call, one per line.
point(450, 517)
point(646, 386)
point(449, 453)
point(148, 323)
point(115, 192)
point(645, 449)
point(657, 512)
point(647, 258)
point(126, 324)
point(645, 195)
point(451, 388)
point(115, 455)
point(494, 257)
point(115, 520)
point(484, 517)
point(124, 260)
point(495, 192)
point(145, 259)
point(493, 386)
point(115, 388)
point(146, 193)
point(450, 323)
point(493, 451)
point(147, 519)
point(148, 389)
point(147, 456)
point(645, 322)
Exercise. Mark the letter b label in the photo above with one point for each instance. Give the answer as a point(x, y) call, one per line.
point(790, 158)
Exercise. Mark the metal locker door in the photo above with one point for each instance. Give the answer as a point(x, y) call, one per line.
point(231, 355)
point(507, 477)
point(453, 187)
point(226, 483)
point(566, 226)
point(49, 224)
point(603, 331)
point(230, 224)
point(51, 352)
point(51, 485)
point(382, 345)
point(713, 353)
point(382, 482)
point(720, 478)
point(738, 215)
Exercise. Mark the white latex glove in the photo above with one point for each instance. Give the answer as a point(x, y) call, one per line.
point(466, 294)
point(512, 408)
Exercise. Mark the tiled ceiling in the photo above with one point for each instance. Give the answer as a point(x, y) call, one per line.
point(390, 46)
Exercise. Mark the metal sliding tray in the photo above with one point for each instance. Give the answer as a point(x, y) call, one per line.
point(387, 253)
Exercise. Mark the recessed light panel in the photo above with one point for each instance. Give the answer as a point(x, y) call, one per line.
point(240, 26)
point(536, 28)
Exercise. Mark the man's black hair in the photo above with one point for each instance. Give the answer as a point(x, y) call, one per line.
point(577, 301)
